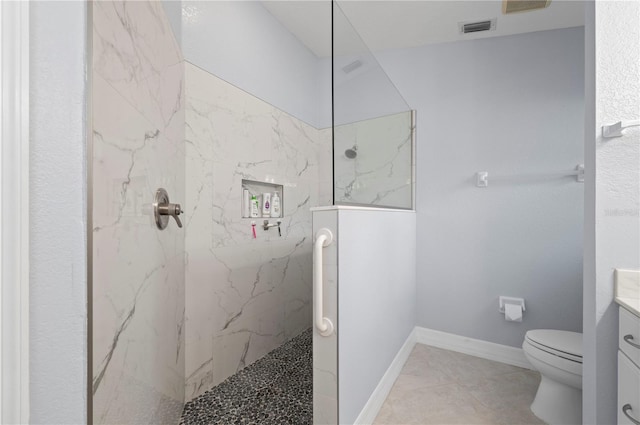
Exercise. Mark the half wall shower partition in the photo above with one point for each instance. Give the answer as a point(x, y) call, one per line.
point(366, 286)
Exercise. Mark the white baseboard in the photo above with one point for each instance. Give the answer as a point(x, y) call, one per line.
point(379, 395)
point(474, 347)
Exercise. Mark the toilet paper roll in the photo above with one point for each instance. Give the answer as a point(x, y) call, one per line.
point(513, 312)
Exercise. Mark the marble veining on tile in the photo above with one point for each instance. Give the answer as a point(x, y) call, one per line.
point(443, 387)
point(274, 390)
point(135, 51)
point(138, 270)
point(381, 172)
point(244, 296)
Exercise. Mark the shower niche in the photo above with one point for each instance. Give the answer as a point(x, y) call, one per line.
point(268, 196)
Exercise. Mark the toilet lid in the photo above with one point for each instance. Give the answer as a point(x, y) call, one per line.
point(560, 342)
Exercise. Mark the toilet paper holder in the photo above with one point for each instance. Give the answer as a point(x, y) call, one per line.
point(509, 300)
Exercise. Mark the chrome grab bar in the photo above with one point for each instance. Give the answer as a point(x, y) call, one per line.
point(628, 339)
point(625, 410)
point(324, 238)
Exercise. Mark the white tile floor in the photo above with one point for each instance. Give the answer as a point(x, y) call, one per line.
point(444, 387)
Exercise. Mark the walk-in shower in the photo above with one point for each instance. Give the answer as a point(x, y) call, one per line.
point(194, 313)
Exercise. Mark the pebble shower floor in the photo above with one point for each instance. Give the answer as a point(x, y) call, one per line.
point(277, 389)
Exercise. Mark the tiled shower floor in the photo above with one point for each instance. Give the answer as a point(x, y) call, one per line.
point(277, 389)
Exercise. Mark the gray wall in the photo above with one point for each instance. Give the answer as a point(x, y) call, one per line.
point(614, 89)
point(173, 10)
point(242, 43)
point(512, 106)
point(58, 223)
point(376, 299)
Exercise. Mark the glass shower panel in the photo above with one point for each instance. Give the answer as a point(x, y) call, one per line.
point(373, 161)
point(372, 126)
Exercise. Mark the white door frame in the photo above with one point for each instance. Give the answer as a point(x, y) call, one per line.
point(14, 211)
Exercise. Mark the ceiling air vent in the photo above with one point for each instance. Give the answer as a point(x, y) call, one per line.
point(515, 6)
point(478, 26)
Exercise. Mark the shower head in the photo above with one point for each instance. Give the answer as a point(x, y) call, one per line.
point(351, 153)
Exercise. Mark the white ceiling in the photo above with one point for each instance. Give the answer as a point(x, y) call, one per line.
point(398, 24)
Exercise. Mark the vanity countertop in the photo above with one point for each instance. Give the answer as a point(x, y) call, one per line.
point(627, 287)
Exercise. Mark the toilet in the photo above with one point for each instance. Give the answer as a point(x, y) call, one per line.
point(557, 355)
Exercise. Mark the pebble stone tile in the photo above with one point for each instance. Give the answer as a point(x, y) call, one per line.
point(277, 389)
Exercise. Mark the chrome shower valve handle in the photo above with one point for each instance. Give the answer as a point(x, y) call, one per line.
point(173, 210)
point(163, 209)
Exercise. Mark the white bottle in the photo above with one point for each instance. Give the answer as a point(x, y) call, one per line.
point(266, 204)
point(246, 204)
point(275, 205)
point(255, 208)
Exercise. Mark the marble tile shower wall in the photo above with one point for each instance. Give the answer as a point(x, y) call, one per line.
point(244, 296)
point(381, 173)
point(138, 271)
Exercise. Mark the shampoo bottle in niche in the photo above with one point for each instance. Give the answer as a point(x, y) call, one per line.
point(246, 204)
point(255, 208)
point(266, 204)
point(275, 205)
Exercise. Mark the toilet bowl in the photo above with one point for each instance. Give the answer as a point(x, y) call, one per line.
point(557, 355)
